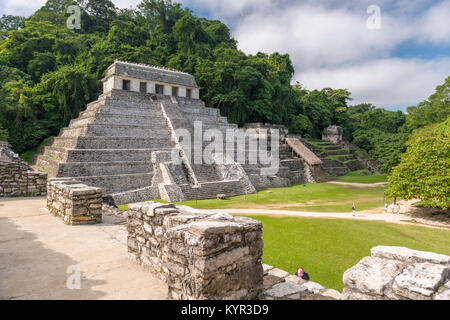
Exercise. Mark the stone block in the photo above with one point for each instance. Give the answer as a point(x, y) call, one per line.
point(408, 255)
point(398, 273)
point(420, 280)
point(76, 203)
point(372, 275)
point(334, 294)
point(314, 287)
point(269, 281)
point(207, 227)
point(266, 268)
point(278, 273)
point(443, 292)
point(295, 279)
point(286, 291)
point(200, 257)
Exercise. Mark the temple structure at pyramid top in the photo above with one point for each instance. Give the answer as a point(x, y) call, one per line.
point(149, 79)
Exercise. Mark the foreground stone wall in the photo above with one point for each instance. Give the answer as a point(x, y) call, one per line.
point(200, 256)
point(16, 177)
point(398, 273)
point(75, 202)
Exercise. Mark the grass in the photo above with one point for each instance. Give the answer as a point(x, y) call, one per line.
point(123, 207)
point(30, 154)
point(361, 154)
point(317, 197)
point(363, 176)
point(319, 144)
point(325, 248)
point(340, 158)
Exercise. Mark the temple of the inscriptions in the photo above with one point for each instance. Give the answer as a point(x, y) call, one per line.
point(149, 136)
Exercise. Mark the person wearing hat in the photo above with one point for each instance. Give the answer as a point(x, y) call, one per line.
point(302, 274)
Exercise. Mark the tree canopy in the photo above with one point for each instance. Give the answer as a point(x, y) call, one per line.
point(424, 170)
point(49, 72)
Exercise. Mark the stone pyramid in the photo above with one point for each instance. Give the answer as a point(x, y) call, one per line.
point(124, 142)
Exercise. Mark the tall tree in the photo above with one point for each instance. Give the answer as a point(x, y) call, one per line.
point(433, 110)
point(163, 13)
point(424, 170)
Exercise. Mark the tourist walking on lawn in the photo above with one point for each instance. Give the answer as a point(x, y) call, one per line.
point(353, 210)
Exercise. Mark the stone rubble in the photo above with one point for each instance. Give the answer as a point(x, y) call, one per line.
point(112, 210)
point(16, 176)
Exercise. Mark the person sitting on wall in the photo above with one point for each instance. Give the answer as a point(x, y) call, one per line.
point(302, 274)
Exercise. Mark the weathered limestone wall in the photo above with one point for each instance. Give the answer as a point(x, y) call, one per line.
point(16, 176)
point(76, 203)
point(398, 273)
point(200, 256)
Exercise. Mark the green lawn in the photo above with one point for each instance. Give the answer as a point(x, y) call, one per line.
point(319, 197)
point(325, 248)
point(316, 197)
point(363, 176)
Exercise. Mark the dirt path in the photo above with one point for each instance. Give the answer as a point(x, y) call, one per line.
point(36, 250)
point(363, 215)
point(355, 184)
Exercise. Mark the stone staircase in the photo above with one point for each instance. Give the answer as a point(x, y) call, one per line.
point(337, 160)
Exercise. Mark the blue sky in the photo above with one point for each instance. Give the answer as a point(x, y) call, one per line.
point(330, 45)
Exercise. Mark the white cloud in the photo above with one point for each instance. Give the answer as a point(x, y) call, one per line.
point(229, 8)
point(27, 8)
point(434, 27)
point(318, 36)
point(20, 7)
point(126, 3)
point(385, 82)
point(332, 47)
